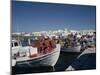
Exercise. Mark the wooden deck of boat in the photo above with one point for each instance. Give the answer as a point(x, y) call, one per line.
point(86, 60)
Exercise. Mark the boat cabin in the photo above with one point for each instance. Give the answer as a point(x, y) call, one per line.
point(15, 43)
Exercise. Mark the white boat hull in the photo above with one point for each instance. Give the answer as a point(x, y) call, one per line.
point(72, 49)
point(49, 59)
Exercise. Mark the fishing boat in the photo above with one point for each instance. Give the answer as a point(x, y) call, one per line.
point(72, 43)
point(29, 56)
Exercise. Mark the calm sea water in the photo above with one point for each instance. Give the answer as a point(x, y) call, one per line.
point(63, 62)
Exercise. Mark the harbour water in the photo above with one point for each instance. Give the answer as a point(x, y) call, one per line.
point(65, 59)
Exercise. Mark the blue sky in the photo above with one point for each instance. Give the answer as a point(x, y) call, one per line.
point(34, 16)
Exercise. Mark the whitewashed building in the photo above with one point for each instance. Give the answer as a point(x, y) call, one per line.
point(84, 32)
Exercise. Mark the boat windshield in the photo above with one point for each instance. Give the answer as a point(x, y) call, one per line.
point(25, 42)
point(14, 44)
